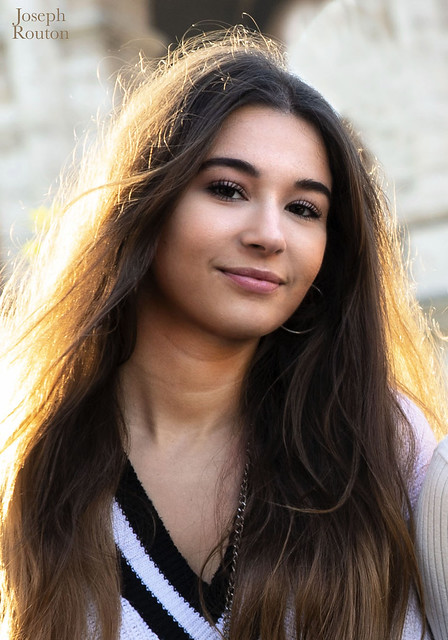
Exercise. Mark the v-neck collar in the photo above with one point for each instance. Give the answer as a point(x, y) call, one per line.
point(158, 544)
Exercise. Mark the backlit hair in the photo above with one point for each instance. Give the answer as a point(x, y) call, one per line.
point(331, 453)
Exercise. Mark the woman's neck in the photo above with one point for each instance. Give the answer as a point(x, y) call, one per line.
point(180, 383)
point(180, 395)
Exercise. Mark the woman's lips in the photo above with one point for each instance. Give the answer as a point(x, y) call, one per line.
point(253, 280)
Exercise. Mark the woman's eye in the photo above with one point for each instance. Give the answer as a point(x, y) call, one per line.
point(304, 209)
point(226, 190)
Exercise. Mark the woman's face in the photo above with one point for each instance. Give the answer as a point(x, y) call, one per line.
point(247, 236)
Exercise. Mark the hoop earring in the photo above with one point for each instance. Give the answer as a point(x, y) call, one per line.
point(313, 286)
point(298, 333)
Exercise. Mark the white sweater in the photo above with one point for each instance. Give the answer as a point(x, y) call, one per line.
point(160, 598)
point(432, 540)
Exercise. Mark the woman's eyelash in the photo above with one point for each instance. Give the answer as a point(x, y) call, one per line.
point(227, 190)
point(304, 209)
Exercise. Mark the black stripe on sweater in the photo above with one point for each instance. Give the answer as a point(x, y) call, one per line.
point(149, 608)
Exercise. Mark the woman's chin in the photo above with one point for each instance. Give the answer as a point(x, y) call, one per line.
point(248, 331)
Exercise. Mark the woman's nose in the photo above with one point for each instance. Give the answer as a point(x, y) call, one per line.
point(264, 230)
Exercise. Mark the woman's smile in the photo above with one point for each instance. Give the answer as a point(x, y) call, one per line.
point(253, 280)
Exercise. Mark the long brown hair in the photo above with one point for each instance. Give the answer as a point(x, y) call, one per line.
point(328, 489)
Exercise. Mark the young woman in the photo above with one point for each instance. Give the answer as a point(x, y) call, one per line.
point(210, 361)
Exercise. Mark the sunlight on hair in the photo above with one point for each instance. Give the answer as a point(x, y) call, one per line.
point(319, 409)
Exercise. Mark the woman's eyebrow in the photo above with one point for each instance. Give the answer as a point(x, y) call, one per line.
point(308, 184)
point(235, 163)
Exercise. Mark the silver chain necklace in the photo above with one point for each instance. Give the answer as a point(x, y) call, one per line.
point(236, 535)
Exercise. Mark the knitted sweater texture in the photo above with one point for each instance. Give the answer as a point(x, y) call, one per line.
point(432, 540)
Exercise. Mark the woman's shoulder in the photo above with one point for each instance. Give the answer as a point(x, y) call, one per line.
point(422, 432)
point(432, 540)
point(424, 444)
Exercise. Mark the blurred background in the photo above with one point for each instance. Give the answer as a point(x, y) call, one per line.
point(383, 64)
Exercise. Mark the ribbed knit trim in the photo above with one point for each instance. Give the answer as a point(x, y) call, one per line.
point(157, 582)
point(157, 618)
point(133, 627)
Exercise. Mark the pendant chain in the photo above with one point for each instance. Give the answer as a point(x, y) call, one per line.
point(236, 535)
